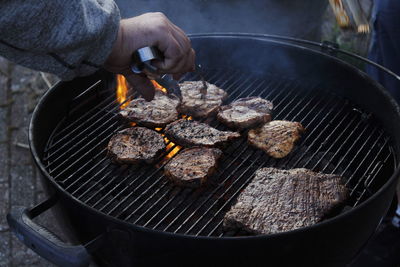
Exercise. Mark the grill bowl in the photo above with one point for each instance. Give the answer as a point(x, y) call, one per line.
point(311, 73)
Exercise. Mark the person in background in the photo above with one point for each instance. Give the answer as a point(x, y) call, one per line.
point(385, 50)
point(78, 37)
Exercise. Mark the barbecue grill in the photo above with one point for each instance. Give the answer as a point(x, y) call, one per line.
point(133, 216)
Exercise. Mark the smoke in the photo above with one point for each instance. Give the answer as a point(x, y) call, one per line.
point(301, 19)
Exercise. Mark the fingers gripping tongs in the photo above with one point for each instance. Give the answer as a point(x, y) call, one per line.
point(141, 63)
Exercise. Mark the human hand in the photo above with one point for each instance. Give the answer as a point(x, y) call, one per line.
point(150, 29)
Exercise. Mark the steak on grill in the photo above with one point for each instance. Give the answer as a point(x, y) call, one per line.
point(283, 200)
point(192, 133)
point(135, 145)
point(276, 138)
point(192, 166)
point(246, 112)
point(156, 113)
point(192, 102)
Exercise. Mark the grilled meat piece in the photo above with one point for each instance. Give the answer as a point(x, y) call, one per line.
point(197, 106)
point(156, 113)
point(276, 138)
point(135, 145)
point(192, 166)
point(283, 200)
point(192, 133)
point(245, 112)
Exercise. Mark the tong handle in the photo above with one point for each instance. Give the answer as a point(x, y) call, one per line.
point(141, 59)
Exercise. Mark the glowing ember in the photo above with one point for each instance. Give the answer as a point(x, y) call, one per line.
point(189, 118)
point(169, 146)
point(174, 151)
point(122, 91)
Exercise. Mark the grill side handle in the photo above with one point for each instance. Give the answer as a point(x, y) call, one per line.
point(41, 240)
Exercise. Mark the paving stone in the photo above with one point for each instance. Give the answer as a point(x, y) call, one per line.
point(3, 66)
point(4, 205)
point(3, 107)
point(40, 192)
point(3, 89)
point(3, 130)
point(30, 83)
point(5, 248)
point(3, 162)
point(23, 256)
point(22, 188)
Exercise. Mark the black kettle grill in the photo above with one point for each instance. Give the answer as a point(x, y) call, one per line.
point(133, 216)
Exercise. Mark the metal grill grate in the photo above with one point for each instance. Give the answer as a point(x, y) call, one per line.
point(340, 139)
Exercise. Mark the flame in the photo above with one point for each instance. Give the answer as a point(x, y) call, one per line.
point(174, 151)
point(121, 94)
point(122, 91)
point(170, 145)
point(157, 86)
point(189, 118)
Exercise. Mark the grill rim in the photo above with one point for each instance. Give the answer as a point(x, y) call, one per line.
point(54, 91)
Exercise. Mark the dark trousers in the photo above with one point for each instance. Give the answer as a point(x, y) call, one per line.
point(385, 49)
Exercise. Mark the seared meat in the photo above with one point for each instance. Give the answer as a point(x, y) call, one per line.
point(192, 102)
point(192, 166)
point(283, 200)
point(192, 133)
point(156, 113)
point(135, 145)
point(276, 138)
point(245, 112)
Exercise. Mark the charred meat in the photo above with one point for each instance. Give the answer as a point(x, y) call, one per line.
point(156, 113)
point(192, 133)
point(283, 200)
point(276, 138)
point(246, 113)
point(198, 105)
point(192, 166)
point(135, 145)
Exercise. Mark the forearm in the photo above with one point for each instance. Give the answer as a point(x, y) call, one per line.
point(67, 38)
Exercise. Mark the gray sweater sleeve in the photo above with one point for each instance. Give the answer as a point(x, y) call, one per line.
point(68, 38)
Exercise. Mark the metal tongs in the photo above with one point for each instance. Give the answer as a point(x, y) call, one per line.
point(141, 63)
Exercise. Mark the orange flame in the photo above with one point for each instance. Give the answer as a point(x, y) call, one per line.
point(189, 118)
point(121, 94)
point(157, 86)
point(122, 91)
point(169, 146)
